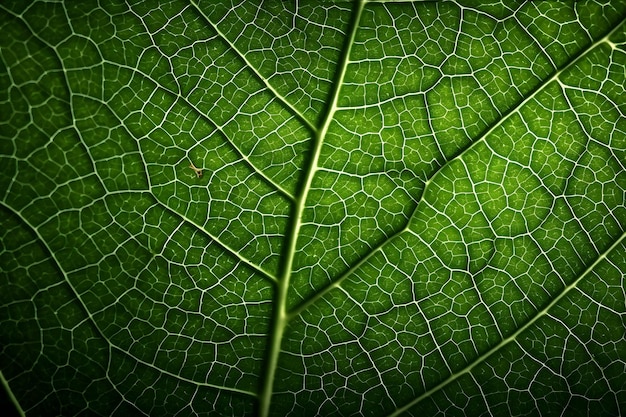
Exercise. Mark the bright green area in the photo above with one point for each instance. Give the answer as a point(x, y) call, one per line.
point(395, 208)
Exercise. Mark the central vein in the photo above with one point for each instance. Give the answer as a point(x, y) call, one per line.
point(280, 318)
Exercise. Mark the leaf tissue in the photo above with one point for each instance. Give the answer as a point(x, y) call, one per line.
point(313, 208)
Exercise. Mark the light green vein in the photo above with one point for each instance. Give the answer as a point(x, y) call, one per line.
point(281, 317)
point(11, 396)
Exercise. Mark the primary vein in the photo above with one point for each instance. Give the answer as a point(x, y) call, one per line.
point(281, 317)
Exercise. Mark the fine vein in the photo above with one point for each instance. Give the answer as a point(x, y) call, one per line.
point(92, 319)
point(512, 338)
point(242, 56)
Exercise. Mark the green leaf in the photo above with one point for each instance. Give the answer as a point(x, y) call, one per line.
point(301, 208)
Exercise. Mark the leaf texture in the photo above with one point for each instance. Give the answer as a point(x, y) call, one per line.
point(313, 208)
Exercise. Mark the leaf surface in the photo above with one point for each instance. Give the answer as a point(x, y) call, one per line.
point(313, 208)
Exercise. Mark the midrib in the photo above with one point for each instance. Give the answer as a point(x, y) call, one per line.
point(281, 319)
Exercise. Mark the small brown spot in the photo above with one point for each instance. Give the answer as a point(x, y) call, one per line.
point(198, 171)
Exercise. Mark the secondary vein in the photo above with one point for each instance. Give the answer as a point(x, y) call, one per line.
point(264, 80)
